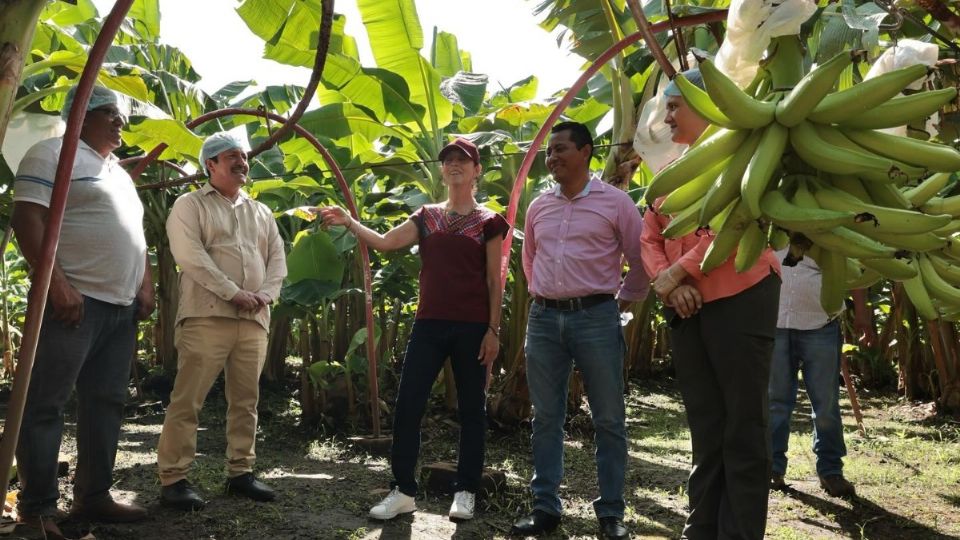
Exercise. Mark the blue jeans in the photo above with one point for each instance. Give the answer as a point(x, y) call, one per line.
point(593, 340)
point(816, 353)
point(95, 358)
point(431, 343)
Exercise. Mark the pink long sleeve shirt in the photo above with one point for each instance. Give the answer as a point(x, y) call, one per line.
point(575, 247)
point(660, 253)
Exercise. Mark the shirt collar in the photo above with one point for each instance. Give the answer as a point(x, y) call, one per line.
point(111, 159)
point(592, 184)
point(207, 189)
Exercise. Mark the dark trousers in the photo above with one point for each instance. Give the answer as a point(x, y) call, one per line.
point(722, 357)
point(95, 358)
point(431, 343)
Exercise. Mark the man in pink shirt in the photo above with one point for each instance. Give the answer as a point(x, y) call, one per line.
point(576, 237)
point(722, 327)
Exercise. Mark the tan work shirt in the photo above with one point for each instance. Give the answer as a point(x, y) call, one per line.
point(222, 247)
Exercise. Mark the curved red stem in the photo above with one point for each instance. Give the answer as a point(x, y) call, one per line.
point(323, 45)
point(521, 179)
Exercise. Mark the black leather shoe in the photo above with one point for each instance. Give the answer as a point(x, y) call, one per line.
point(182, 496)
point(248, 486)
point(536, 523)
point(612, 528)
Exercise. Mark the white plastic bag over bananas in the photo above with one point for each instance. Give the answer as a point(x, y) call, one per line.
point(903, 53)
point(751, 24)
point(652, 139)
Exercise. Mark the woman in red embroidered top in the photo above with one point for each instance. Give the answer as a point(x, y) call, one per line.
point(458, 317)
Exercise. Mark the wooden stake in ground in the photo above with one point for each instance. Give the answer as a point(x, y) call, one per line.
point(852, 393)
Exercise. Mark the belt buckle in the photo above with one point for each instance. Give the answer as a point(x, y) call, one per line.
point(574, 304)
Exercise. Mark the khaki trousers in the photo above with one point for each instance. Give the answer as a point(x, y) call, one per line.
point(206, 346)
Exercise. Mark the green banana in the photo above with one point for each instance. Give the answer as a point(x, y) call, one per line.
point(794, 217)
point(943, 205)
point(727, 238)
point(949, 271)
point(948, 229)
point(750, 247)
point(811, 89)
point(741, 108)
point(851, 244)
point(802, 196)
point(763, 164)
point(726, 188)
point(819, 153)
point(938, 287)
point(894, 269)
point(886, 219)
point(849, 184)
point(854, 101)
point(683, 223)
point(834, 136)
point(919, 297)
point(833, 290)
point(854, 270)
point(778, 238)
point(701, 156)
point(867, 279)
point(901, 110)
point(953, 246)
point(919, 195)
point(699, 101)
point(933, 156)
point(917, 242)
point(692, 191)
point(886, 195)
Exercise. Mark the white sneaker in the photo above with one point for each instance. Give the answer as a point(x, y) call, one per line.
point(462, 507)
point(393, 504)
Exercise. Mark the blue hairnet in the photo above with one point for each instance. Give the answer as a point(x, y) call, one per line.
point(692, 75)
point(220, 142)
point(98, 98)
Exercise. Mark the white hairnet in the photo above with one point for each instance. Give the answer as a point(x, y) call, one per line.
point(220, 142)
point(98, 98)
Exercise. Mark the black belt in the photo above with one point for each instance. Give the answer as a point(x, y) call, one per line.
point(573, 304)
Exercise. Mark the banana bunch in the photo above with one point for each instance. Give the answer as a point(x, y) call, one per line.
point(806, 167)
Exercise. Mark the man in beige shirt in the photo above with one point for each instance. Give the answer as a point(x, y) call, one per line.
point(232, 264)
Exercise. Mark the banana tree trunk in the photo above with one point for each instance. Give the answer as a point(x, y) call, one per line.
point(639, 336)
point(275, 365)
point(168, 298)
point(308, 403)
point(18, 19)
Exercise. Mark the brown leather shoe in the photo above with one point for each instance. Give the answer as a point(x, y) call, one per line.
point(48, 524)
point(777, 482)
point(837, 486)
point(108, 511)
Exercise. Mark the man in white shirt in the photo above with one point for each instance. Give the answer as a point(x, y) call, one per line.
point(808, 340)
point(100, 286)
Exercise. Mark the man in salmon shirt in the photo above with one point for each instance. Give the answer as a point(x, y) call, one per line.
point(722, 328)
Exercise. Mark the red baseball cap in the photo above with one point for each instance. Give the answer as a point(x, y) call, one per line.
point(464, 146)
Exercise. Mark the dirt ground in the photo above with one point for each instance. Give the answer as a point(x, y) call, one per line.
point(907, 472)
